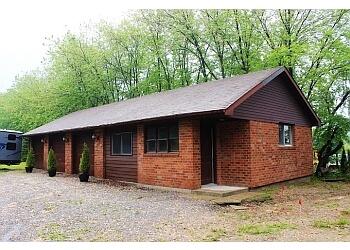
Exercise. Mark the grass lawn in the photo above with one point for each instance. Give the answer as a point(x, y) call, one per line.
point(5, 168)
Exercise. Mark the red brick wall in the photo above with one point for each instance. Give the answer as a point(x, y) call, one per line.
point(233, 153)
point(46, 151)
point(273, 163)
point(99, 166)
point(68, 164)
point(177, 170)
point(248, 154)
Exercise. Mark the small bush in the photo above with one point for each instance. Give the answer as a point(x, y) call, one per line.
point(84, 165)
point(30, 158)
point(51, 161)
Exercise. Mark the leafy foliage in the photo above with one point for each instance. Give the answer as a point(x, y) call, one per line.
point(84, 165)
point(156, 50)
point(30, 158)
point(51, 160)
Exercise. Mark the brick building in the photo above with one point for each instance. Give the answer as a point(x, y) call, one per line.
point(249, 130)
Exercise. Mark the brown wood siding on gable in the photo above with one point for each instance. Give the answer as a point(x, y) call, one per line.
point(121, 167)
point(275, 102)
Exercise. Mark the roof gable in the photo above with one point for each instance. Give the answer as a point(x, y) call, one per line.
point(216, 96)
point(275, 102)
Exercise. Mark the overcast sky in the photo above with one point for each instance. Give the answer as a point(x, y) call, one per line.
point(24, 24)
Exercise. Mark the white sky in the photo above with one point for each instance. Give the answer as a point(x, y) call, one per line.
point(24, 24)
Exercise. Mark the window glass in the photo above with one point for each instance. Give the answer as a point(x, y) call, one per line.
point(281, 139)
point(151, 146)
point(126, 143)
point(11, 137)
point(162, 145)
point(162, 133)
point(11, 146)
point(151, 133)
point(173, 132)
point(116, 144)
point(174, 145)
point(162, 139)
point(122, 144)
point(285, 134)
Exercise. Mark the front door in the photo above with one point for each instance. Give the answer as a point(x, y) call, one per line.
point(207, 152)
point(79, 138)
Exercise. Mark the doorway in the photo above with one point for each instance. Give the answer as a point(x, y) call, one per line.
point(208, 167)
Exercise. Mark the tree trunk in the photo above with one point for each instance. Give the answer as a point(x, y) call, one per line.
point(323, 157)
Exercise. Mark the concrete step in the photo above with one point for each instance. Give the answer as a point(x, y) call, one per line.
point(219, 191)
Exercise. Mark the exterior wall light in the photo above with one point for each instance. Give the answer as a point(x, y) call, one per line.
point(65, 139)
point(94, 137)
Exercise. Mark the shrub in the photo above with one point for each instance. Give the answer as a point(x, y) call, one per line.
point(51, 161)
point(84, 165)
point(30, 162)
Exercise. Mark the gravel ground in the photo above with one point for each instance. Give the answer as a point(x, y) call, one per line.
point(36, 208)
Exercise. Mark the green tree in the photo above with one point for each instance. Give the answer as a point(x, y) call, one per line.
point(156, 50)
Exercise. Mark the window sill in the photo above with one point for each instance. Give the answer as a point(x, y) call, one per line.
point(171, 154)
point(286, 146)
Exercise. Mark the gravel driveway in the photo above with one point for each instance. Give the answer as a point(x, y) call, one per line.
point(35, 207)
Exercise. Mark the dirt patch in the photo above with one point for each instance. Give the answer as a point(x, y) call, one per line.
point(312, 211)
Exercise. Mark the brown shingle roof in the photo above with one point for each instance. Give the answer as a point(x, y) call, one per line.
point(205, 97)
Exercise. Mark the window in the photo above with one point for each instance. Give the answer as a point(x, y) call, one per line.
point(162, 139)
point(11, 137)
point(285, 135)
point(122, 144)
point(11, 146)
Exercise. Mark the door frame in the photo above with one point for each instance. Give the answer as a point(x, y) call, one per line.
point(210, 126)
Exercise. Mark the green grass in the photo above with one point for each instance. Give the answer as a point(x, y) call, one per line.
point(330, 224)
point(6, 168)
point(333, 186)
point(264, 197)
point(215, 235)
point(333, 205)
point(243, 215)
point(269, 228)
point(322, 224)
point(53, 233)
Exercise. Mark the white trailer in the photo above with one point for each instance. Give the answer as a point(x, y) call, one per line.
point(10, 146)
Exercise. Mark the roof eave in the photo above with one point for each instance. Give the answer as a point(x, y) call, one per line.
point(176, 116)
point(317, 120)
point(229, 110)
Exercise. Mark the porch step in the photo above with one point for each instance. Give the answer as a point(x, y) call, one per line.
point(219, 191)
